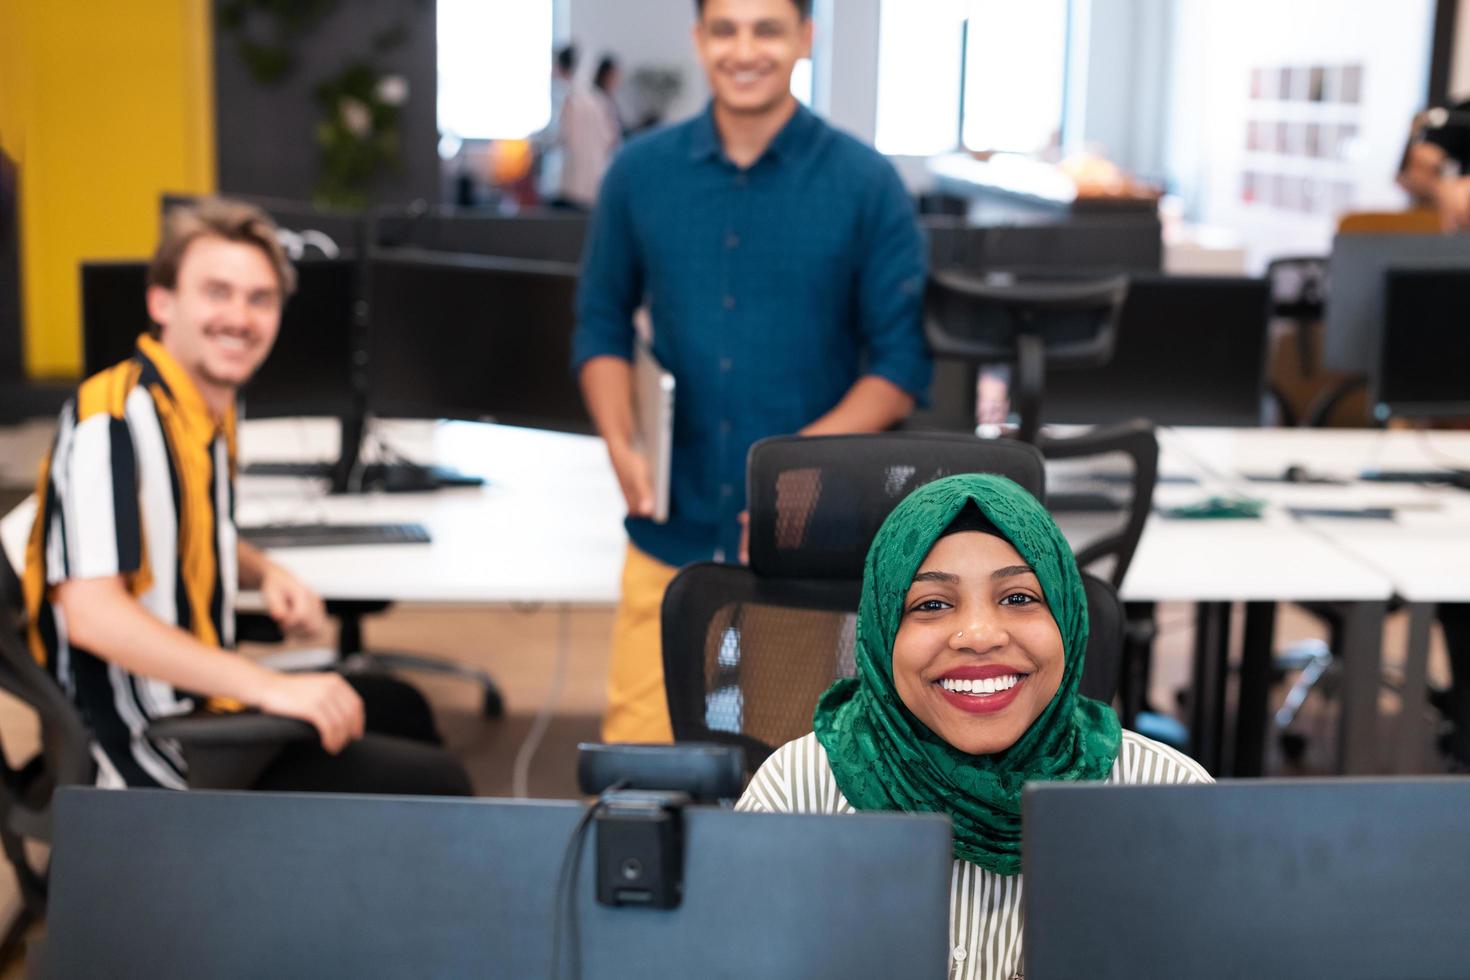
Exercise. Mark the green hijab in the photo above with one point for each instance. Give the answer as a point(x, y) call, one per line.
point(884, 758)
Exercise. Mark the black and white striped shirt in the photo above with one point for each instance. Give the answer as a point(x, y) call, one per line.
point(138, 484)
point(984, 908)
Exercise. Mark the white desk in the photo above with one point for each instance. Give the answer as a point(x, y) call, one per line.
point(1258, 562)
point(546, 526)
point(1423, 551)
point(547, 529)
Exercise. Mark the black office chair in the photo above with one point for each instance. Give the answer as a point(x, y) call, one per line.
point(222, 751)
point(748, 650)
point(1033, 324)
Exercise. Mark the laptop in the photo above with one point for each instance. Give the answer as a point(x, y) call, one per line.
point(653, 400)
point(153, 883)
point(1341, 878)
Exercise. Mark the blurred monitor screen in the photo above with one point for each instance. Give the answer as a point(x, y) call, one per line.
point(543, 236)
point(1424, 364)
point(1190, 351)
point(310, 368)
point(474, 337)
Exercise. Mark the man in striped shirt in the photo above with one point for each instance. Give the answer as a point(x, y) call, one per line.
point(133, 564)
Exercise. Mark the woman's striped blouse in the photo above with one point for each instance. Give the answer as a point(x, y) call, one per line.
point(984, 908)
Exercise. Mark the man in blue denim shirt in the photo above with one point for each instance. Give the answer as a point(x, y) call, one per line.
point(783, 269)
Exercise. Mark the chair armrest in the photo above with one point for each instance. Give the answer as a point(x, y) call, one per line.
point(230, 751)
point(209, 730)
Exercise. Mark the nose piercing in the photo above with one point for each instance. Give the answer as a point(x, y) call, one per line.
point(959, 634)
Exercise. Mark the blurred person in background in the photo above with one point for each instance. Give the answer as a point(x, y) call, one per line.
point(550, 151)
point(1436, 166)
point(591, 132)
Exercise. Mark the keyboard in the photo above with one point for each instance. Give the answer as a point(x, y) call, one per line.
point(303, 471)
point(1414, 476)
point(333, 535)
point(392, 477)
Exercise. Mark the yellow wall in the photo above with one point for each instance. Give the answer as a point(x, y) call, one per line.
point(105, 104)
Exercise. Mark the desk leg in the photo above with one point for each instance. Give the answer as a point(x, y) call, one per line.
point(1207, 699)
point(521, 774)
point(1362, 657)
point(1255, 688)
point(1139, 632)
point(1413, 703)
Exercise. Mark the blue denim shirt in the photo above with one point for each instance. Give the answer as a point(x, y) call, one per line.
point(771, 290)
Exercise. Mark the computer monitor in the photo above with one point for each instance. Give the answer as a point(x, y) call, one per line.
point(1342, 878)
point(1424, 355)
point(310, 369)
point(153, 883)
point(544, 236)
point(1081, 247)
point(1190, 350)
point(462, 336)
point(1357, 277)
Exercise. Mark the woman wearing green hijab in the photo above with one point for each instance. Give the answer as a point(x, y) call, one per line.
point(970, 640)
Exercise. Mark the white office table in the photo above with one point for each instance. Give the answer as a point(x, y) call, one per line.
point(1216, 563)
point(546, 526)
point(1423, 551)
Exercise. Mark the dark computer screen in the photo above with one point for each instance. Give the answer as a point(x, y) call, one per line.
point(1190, 351)
point(544, 237)
point(310, 368)
point(1078, 248)
point(463, 336)
point(114, 312)
point(1424, 362)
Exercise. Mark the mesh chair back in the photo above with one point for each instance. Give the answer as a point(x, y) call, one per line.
point(976, 319)
point(746, 657)
point(816, 502)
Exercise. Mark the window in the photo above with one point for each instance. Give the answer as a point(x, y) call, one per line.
point(1015, 70)
point(919, 76)
point(801, 81)
point(494, 67)
point(1009, 60)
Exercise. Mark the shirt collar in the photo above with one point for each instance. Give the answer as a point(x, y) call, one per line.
point(792, 140)
point(180, 389)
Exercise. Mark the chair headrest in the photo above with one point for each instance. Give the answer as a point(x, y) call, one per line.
point(816, 502)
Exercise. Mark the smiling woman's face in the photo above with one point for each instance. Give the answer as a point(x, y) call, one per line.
point(978, 656)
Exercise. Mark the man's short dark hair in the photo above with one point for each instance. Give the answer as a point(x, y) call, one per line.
point(566, 58)
point(803, 7)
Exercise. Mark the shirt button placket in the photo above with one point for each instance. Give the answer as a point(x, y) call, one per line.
point(726, 363)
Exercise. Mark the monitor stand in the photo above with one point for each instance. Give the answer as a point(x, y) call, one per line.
point(348, 474)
